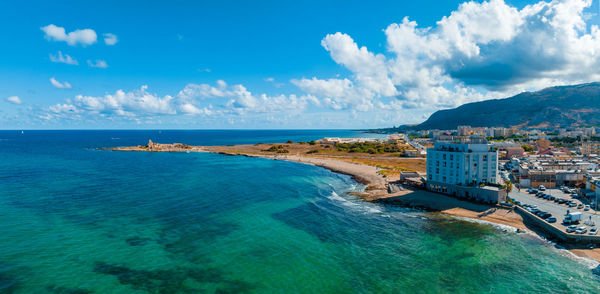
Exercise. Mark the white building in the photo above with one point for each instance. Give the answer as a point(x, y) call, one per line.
point(463, 163)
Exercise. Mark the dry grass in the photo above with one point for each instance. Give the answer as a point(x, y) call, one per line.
point(391, 164)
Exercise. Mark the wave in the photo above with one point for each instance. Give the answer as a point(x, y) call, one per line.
point(359, 206)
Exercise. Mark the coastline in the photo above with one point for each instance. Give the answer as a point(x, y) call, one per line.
point(377, 190)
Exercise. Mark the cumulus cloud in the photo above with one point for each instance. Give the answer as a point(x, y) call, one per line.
point(240, 100)
point(56, 33)
point(57, 84)
point(98, 63)
point(193, 99)
point(110, 39)
point(60, 58)
point(14, 100)
point(480, 51)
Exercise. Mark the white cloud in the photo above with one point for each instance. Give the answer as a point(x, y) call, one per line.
point(193, 99)
point(270, 79)
point(57, 84)
point(480, 51)
point(14, 100)
point(110, 39)
point(60, 58)
point(97, 63)
point(83, 37)
point(369, 69)
point(126, 103)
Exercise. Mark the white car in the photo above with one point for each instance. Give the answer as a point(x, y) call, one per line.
point(586, 208)
point(581, 230)
point(593, 231)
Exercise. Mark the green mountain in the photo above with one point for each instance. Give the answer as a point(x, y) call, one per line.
point(564, 106)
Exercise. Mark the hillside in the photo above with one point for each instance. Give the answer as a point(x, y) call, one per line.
point(564, 106)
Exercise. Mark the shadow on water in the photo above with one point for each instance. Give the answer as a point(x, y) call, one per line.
point(8, 284)
point(331, 222)
point(174, 280)
point(65, 290)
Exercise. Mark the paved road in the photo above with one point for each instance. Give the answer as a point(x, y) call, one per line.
point(557, 210)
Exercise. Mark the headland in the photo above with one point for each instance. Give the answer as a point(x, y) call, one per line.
point(377, 171)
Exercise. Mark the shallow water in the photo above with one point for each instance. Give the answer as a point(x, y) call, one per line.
point(74, 219)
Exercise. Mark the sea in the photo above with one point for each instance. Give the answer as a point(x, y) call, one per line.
point(78, 219)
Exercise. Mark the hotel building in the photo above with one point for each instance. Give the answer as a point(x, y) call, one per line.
point(463, 169)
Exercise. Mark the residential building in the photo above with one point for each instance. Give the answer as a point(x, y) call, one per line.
point(588, 148)
point(464, 130)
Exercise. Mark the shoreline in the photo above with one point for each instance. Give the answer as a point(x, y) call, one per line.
point(376, 190)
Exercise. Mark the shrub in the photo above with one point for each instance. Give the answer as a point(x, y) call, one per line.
point(277, 148)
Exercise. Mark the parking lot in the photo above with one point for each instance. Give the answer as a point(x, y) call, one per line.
point(589, 218)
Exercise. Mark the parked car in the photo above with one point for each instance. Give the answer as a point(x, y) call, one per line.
point(571, 228)
point(572, 204)
point(593, 231)
point(586, 208)
point(541, 188)
point(581, 230)
point(580, 206)
point(551, 219)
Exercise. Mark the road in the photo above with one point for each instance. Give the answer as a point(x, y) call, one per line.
point(557, 210)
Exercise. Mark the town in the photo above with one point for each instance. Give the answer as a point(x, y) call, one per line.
point(552, 176)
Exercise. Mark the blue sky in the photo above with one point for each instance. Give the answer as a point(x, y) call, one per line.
point(280, 64)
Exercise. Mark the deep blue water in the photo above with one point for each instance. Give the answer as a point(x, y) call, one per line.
point(76, 219)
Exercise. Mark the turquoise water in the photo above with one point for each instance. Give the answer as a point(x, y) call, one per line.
point(74, 219)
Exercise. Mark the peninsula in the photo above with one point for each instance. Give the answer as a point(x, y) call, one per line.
point(375, 164)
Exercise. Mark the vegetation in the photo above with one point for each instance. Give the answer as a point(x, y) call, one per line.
point(368, 147)
point(312, 151)
point(527, 148)
point(277, 149)
point(508, 186)
point(417, 136)
point(567, 140)
point(312, 142)
point(290, 142)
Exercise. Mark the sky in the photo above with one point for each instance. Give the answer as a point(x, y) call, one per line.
point(280, 64)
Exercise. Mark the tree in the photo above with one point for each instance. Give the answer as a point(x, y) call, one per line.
point(508, 186)
point(527, 148)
